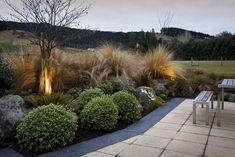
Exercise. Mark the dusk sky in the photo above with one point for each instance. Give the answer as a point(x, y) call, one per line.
point(208, 16)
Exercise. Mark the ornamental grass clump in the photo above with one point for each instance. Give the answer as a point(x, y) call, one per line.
point(127, 106)
point(99, 114)
point(117, 62)
point(47, 128)
point(159, 63)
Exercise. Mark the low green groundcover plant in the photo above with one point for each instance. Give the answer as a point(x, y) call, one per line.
point(87, 95)
point(159, 101)
point(47, 128)
point(127, 106)
point(55, 98)
point(163, 96)
point(99, 114)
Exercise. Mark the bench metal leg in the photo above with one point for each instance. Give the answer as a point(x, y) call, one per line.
point(218, 113)
point(207, 114)
point(202, 105)
point(194, 113)
point(212, 103)
point(222, 95)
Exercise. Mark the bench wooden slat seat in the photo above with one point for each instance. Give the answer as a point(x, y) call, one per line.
point(205, 97)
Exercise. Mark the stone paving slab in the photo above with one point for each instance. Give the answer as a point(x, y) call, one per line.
point(186, 147)
point(215, 151)
point(151, 141)
point(140, 151)
point(168, 126)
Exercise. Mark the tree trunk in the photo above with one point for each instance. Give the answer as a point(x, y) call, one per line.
point(45, 86)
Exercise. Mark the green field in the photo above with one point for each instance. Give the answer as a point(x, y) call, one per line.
point(228, 67)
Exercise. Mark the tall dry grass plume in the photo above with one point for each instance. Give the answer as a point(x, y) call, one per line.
point(159, 63)
point(118, 62)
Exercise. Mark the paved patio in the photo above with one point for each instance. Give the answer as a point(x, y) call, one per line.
point(176, 136)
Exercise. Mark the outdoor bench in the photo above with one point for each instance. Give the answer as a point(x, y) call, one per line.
point(205, 97)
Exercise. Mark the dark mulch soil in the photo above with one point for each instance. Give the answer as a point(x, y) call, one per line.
point(82, 135)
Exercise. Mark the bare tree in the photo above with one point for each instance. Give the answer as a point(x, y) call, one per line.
point(46, 20)
point(165, 21)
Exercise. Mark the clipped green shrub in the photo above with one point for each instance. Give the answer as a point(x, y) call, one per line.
point(88, 95)
point(74, 92)
point(106, 87)
point(99, 114)
point(163, 96)
point(47, 128)
point(159, 101)
point(55, 98)
point(127, 106)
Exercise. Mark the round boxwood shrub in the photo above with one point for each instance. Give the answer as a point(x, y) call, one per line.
point(99, 114)
point(127, 106)
point(46, 128)
point(87, 95)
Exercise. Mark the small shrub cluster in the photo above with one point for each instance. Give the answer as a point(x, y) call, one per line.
point(99, 114)
point(47, 128)
point(74, 92)
point(110, 86)
point(106, 87)
point(180, 87)
point(87, 95)
point(127, 106)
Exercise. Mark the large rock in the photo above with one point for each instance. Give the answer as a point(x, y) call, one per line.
point(12, 112)
point(146, 96)
point(160, 88)
point(231, 98)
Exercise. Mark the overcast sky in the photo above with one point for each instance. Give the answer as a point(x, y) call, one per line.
point(208, 16)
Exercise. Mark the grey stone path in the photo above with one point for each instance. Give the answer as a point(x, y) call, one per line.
point(176, 136)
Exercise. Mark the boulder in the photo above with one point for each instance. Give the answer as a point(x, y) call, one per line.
point(160, 88)
point(146, 97)
point(231, 98)
point(12, 112)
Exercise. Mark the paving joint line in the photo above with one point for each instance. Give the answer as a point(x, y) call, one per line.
point(204, 151)
point(177, 132)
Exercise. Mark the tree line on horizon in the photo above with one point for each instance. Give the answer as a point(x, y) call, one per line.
point(199, 46)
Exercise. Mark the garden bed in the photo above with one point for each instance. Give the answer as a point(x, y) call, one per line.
point(81, 136)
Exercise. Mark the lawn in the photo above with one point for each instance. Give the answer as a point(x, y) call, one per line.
point(228, 67)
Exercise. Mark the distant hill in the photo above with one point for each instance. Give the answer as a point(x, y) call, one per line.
point(92, 38)
point(177, 32)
